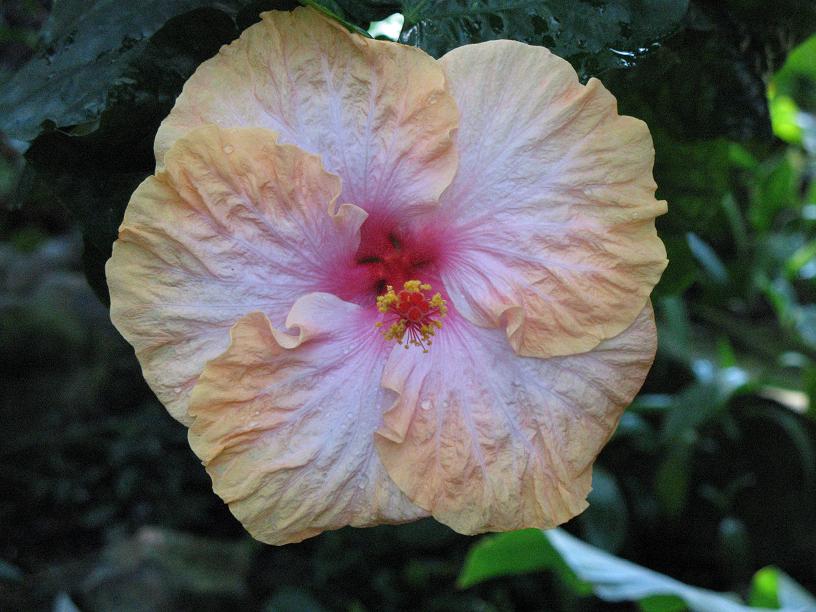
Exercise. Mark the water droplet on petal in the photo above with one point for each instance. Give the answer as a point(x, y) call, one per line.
point(426, 404)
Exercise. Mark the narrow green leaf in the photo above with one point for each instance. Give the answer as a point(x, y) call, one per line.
point(707, 258)
point(672, 479)
point(334, 10)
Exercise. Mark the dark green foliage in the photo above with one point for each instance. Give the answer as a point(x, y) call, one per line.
point(593, 35)
point(86, 49)
point(94, 174)
point(94, 167)
point(711, 475)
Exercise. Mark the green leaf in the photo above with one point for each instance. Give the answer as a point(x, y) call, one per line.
point(366, 11)
point(93, 175)
point(86, 49)
point(672, 480)
point(773, 588)
point(615, 579)
point(720, 60)
point(593, 35)
point(785, 118)
point(793, 83)
point(662, 603)
point(334, 10)
point(778, 186)
point(707, 258)
point(803, 256)
point(701, 401)
point(513, 553)
point(693, 177)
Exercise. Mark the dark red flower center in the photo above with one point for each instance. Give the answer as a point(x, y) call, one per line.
point(391, 255)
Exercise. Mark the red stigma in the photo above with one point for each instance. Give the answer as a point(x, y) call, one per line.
point(411, 315)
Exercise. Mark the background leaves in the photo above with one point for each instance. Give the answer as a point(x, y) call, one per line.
point(710, 478)
point(594, 36)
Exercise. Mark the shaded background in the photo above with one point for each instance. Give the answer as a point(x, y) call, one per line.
point(711, 475)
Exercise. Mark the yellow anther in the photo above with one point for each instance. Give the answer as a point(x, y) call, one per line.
point(387, 300)
point(414, 316)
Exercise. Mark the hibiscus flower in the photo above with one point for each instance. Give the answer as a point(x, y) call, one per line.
point(377, 286)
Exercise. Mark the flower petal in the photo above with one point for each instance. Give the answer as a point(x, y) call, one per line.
point(553, 202)
point(235, 223)
point(489, 441)
point(378, 113)
point(285, 424)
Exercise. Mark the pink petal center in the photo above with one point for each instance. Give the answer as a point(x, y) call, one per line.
point(390, 253)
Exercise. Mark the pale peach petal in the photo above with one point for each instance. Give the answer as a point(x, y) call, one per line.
point(489, 441)
point(378, 113)
point(235, 223)
point(285, 423)
point(553, 204)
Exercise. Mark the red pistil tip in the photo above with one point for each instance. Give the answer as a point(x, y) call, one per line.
point(411, 317)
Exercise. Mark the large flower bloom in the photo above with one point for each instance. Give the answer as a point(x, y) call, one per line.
point(496, 207)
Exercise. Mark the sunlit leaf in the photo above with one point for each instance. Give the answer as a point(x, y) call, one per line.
point(615, 579)
point(773, 588)
point(792, 86)
point(785, 118)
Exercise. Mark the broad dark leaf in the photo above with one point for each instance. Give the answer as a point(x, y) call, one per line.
point(594, 36)
point(710, 79)
point(86, 49)
point(512, 553)
point(93, 175)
